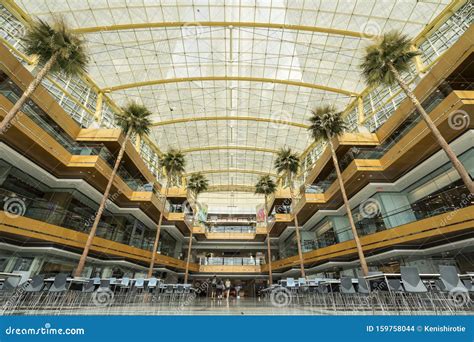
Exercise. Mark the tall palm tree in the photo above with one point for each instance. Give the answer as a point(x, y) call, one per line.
point(266, 186)
point(134, 119)
point(287, 165)
point(173, 164)
point(327, 123)
point(384, 62)
point(58, 50)
point(197, 183)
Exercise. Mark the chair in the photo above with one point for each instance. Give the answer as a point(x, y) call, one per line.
point(139, 284)
point(450, 279)
point(395, 285)
point(104, 284)
point(10, 284)
point(59, 284)
point(363, 287)
point(36, 284)
point(411, 280)
point(346, 285)
point(468, 285)
point(88, 287)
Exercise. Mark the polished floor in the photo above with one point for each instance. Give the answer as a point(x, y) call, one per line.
point(207, 307)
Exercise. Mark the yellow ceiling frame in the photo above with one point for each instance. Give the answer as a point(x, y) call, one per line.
point(252, 172)
point(230, 24)
point(229, 188)
point(228, 78)
point(237, 148)
point(229, 118)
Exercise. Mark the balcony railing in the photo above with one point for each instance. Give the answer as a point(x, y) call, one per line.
point(232, 261)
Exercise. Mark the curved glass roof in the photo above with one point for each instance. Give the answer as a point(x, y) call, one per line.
point(230, 82)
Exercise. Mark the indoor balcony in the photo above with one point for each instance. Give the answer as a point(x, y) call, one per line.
point(230, 265)
point(385, 165)
point(229, 232)
point(35, 228)
point(426, 222)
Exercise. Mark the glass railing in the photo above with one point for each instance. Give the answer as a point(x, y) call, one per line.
point(12, 93)
point(79, 219)
point(442, 202)
point(321, 185)
point(232, 261)
point(230, 229)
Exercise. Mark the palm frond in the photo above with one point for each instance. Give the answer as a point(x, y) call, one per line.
point(265, 186)
point(197, 183)
point(287, 163)
point(173, 162)
point(393, 48)
point(326, 120)
point(45, 40)
point(136, 117)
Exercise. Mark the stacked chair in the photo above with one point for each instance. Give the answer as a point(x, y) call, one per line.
point(63, 295)
point(406, 294)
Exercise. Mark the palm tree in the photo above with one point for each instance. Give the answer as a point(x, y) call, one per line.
point(58, 50)
point(266, 186)
point(173, 164)
point(134, 119)
point(287, 165)
point(197, 183)
point(384, 62)
point(327, 123)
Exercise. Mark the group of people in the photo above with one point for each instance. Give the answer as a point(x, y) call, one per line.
point(219, 287)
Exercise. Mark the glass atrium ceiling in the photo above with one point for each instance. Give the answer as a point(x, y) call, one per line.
point(231, 82)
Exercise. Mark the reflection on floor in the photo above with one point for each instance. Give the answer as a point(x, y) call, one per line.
point(205, 307)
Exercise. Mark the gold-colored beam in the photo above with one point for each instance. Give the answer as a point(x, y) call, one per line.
point(254, 172)
point(229, 118)
point(138, 26)
point(228, 188)
point(237, 148)
point(228, 78)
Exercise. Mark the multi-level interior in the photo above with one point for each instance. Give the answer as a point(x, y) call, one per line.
point(56, 159)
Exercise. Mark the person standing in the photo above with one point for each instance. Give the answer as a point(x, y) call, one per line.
point(227, 288)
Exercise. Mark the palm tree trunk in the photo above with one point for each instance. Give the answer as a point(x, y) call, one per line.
point(269, 251)
point(100, 211)
point(466, 178)
point(360, 251)
point(5, 124)
point(157, 237)
point(297, 231)
point(188, 258)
